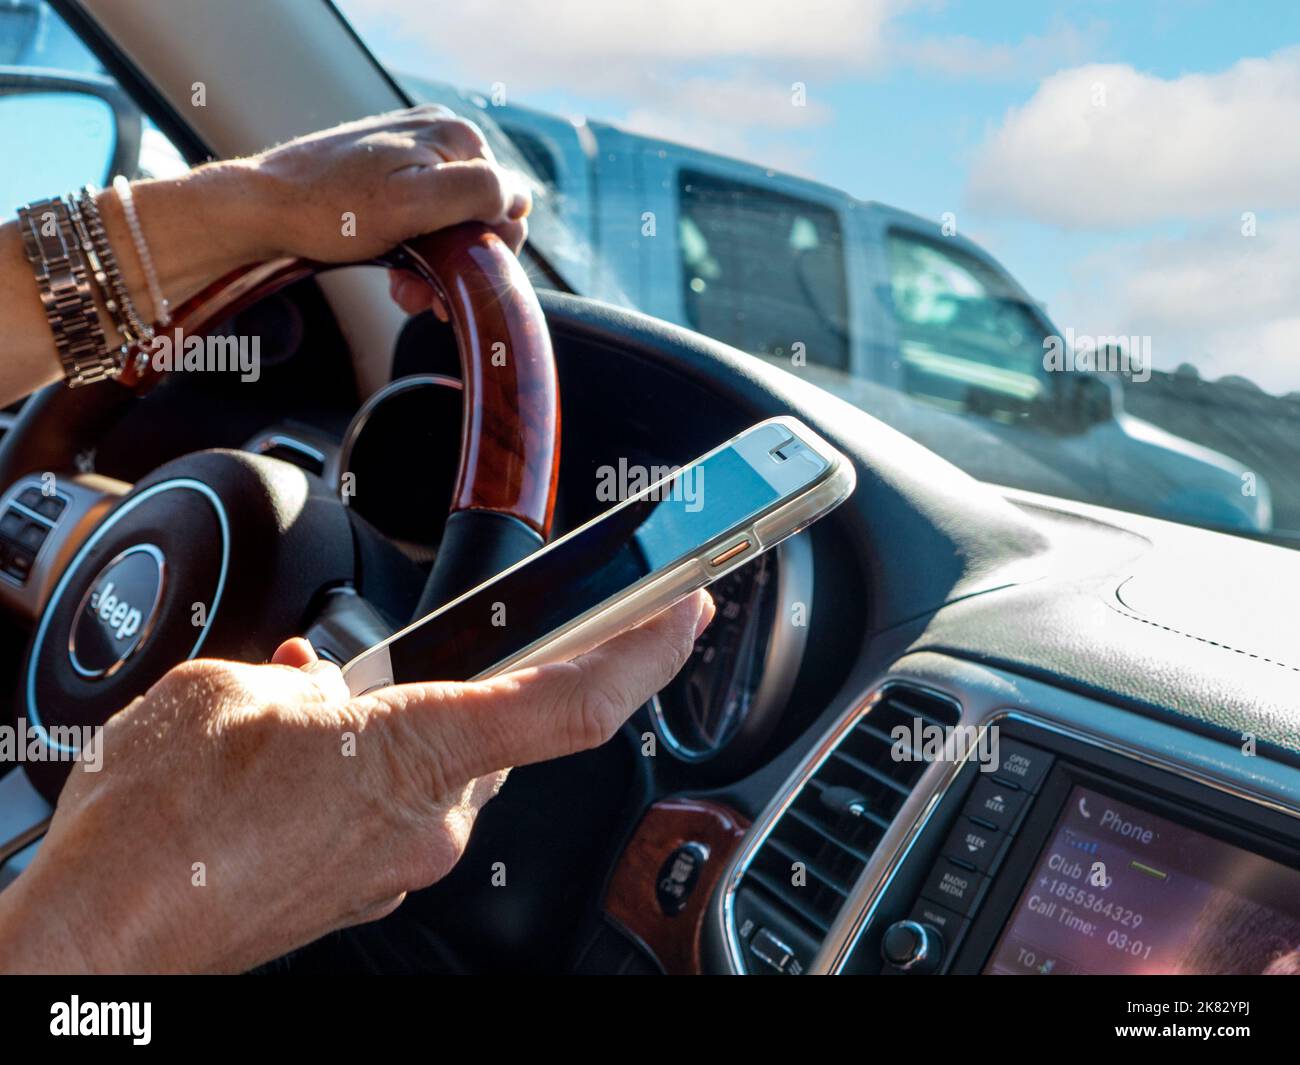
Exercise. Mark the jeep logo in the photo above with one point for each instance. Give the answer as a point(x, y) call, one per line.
point(122, 617)
point(117, 612)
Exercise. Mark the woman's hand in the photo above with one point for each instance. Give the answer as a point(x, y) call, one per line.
point(344, 194)
point(355, 191)
point(243, 811)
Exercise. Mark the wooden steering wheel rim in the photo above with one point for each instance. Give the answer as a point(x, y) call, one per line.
point(510, 429)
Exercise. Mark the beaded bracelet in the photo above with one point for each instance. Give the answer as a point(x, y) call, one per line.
point(127, 199)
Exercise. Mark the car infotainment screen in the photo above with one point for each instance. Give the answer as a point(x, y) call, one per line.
point(1119, 890)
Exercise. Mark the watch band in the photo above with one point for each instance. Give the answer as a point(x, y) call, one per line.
point(66, 293)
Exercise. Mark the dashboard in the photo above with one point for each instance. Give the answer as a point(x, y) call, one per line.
point(759, 816)
point(1051, 844)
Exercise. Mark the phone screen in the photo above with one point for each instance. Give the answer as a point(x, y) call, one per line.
point(663, 526)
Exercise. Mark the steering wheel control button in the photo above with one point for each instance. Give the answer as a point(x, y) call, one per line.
point(954, 886)
point(18, 563)
point(775, 953)
point(117, 612)
point(995, 805)
point(974, 845)
point(24, 526)
point(32, 535)
point(30, 498)
point(50, 506)
point(1022, 765)
point(678, 877)
point(12, 524)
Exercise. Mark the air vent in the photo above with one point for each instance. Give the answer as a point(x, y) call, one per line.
point(840, 813)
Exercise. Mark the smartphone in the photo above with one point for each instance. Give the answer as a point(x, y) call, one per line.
point(677, 535)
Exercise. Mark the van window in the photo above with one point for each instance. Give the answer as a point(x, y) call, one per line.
point(763, 271)
point(967, 338)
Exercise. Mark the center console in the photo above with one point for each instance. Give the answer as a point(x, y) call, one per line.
point(1066, 859)
point(1075, 839)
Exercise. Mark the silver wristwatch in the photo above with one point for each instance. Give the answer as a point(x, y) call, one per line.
point(66, 294)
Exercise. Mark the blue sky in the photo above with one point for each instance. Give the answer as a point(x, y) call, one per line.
point(1125, 216)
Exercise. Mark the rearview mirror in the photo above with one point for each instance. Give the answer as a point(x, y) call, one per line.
point(59, 131)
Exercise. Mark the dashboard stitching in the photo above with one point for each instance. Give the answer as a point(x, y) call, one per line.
point(1202, 639)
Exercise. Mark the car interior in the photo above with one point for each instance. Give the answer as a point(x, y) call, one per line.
point(1121, 688)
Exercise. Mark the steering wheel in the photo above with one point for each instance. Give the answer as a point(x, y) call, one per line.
point(224, 553)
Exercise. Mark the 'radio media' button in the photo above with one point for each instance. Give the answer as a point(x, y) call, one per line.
point(956, 888)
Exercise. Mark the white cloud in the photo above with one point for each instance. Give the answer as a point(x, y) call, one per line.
point(1105, 145)
point(1224, 302)
point(713, 75)
point(576, 43)
point(721, 115)
point(1033, 56)
point(708, 75)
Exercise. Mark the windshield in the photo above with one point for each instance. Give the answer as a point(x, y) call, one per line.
point(1051, 242)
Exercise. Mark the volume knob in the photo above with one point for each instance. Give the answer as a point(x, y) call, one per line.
point(912, 946)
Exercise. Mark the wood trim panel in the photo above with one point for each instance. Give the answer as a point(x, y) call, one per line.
point(631, 899)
